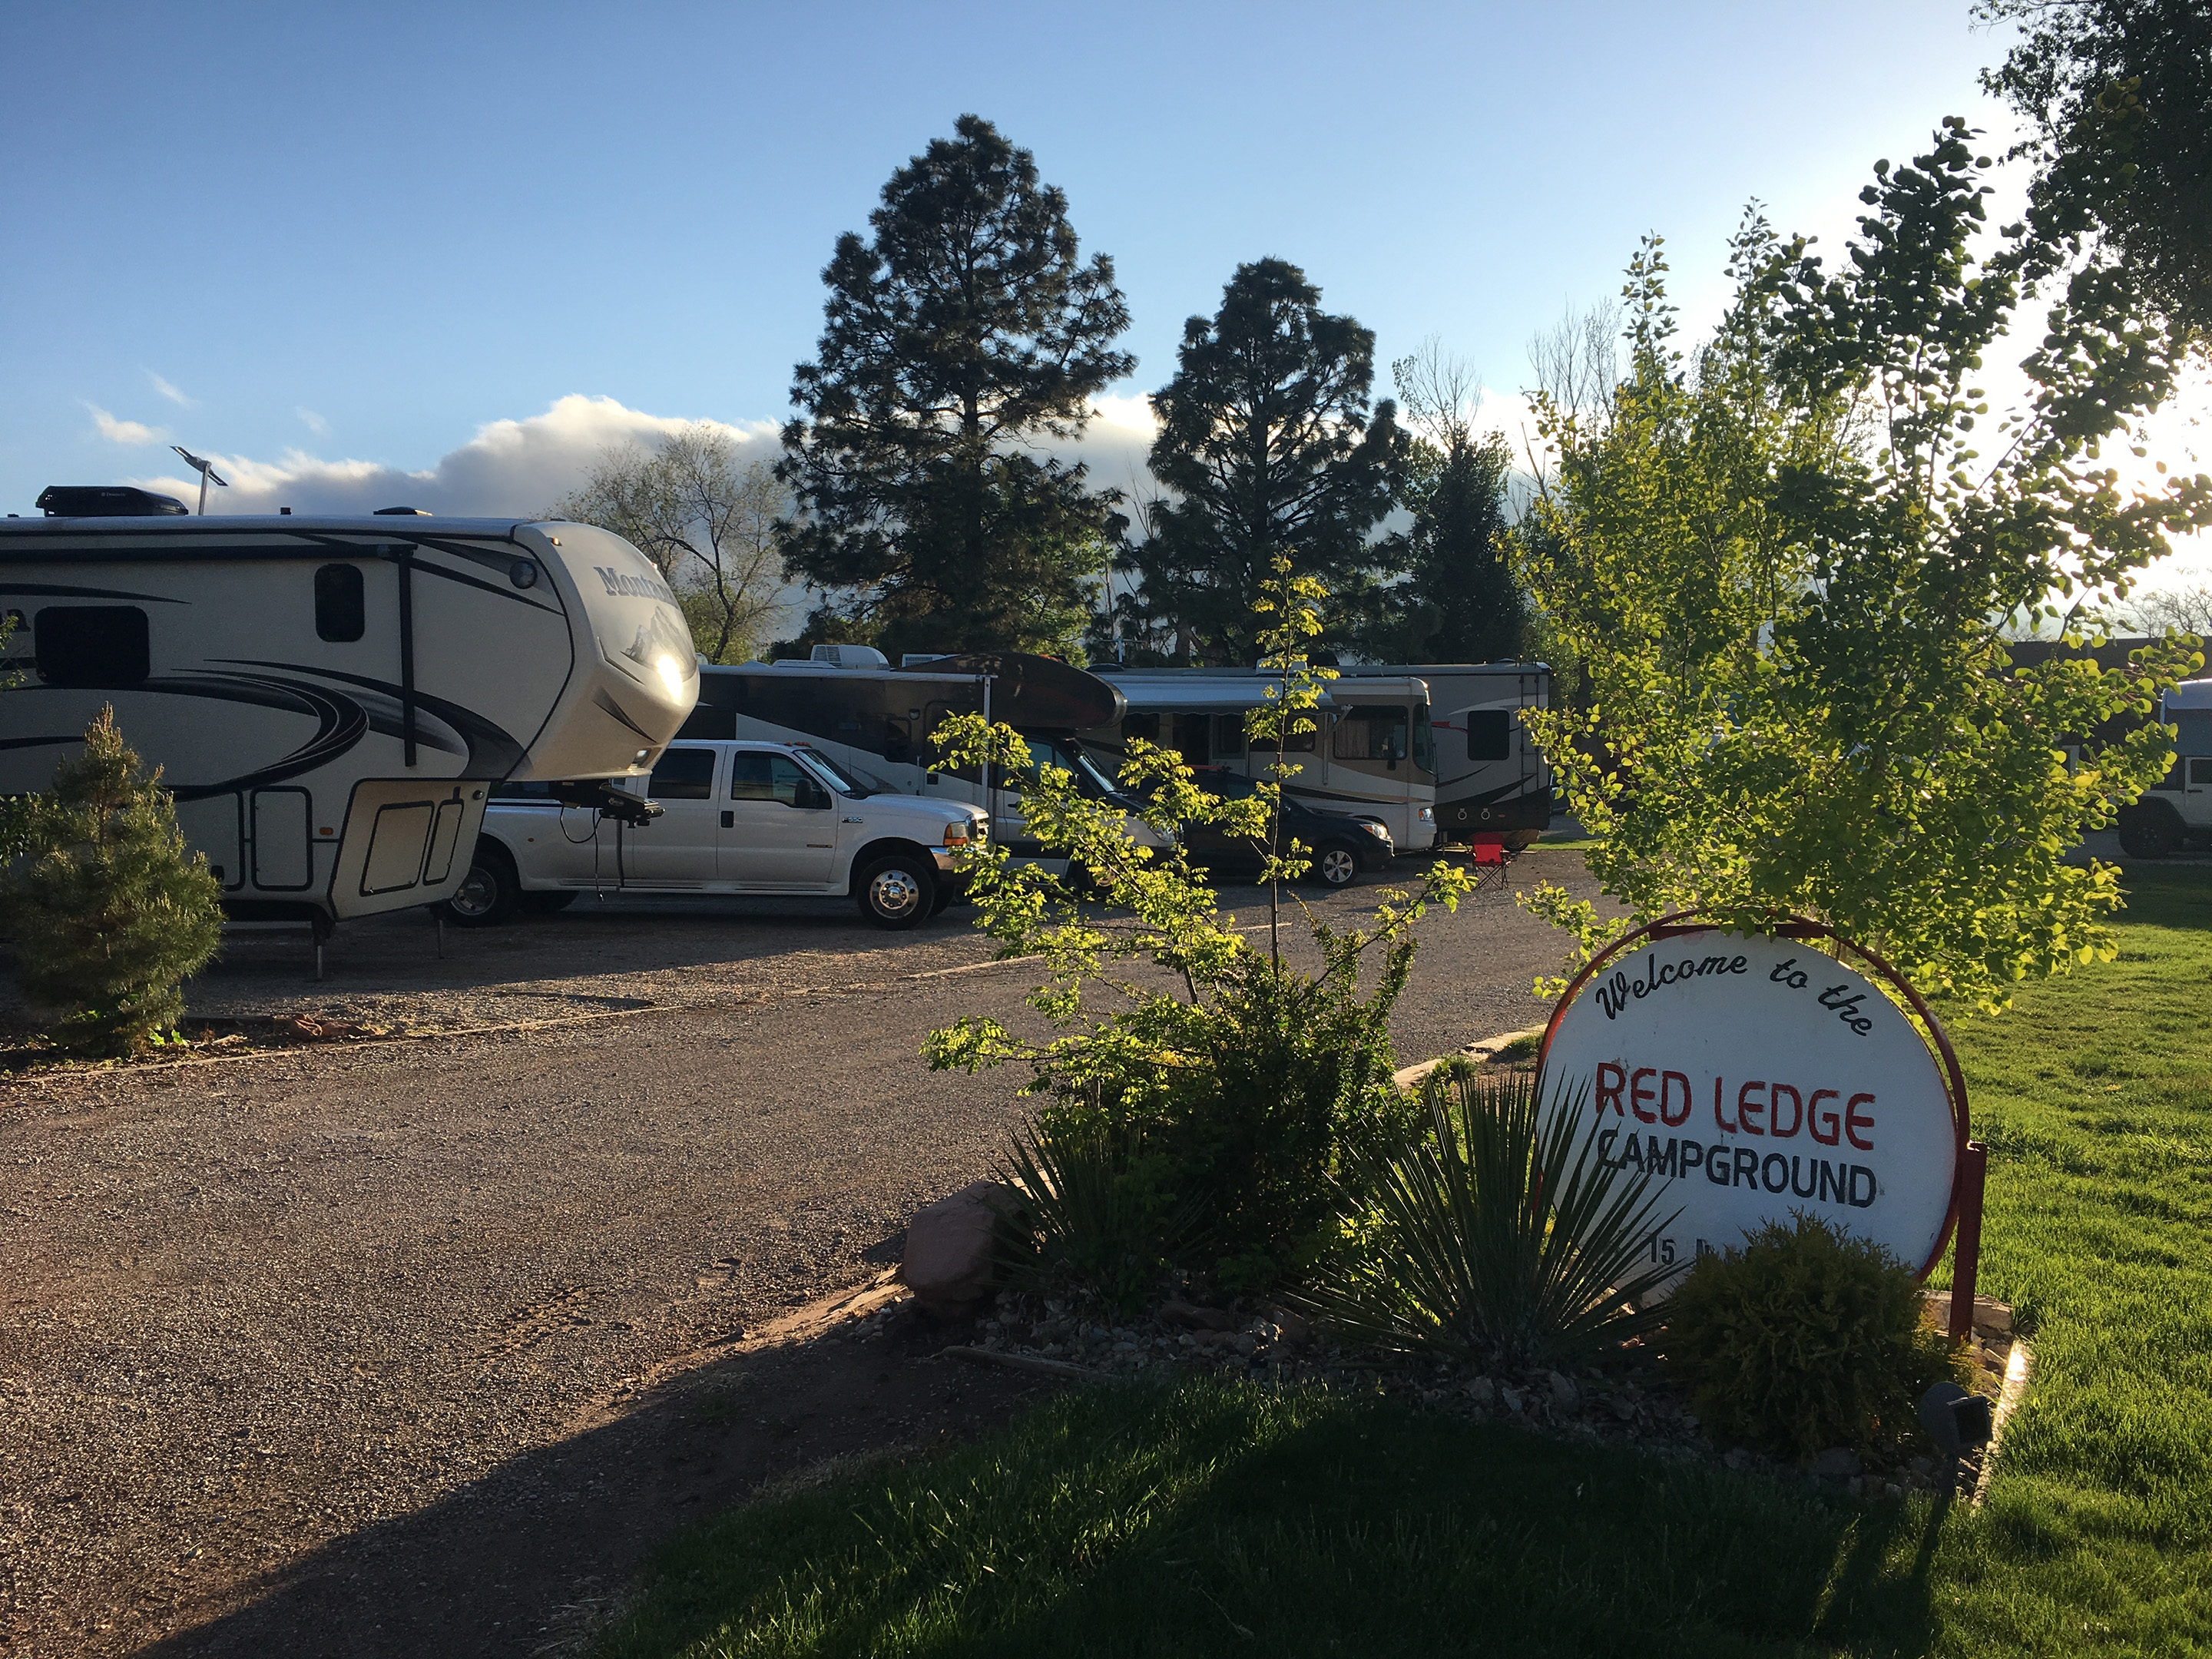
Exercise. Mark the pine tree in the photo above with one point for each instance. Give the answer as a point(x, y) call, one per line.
point(967, 329)
point(1462, 603)
point(1266, 447)
point(108, 915)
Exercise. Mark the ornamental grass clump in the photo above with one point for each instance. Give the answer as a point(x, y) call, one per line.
point(1804, 1338)
point(108, 915)
point(1099, 1223)
point(1490, 1228)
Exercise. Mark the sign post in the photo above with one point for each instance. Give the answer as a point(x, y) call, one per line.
point(1753, 1076)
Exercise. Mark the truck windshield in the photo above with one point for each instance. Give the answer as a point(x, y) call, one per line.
point(821, 763)
point(1055, 751)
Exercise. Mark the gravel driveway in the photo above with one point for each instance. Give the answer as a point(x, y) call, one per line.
point(393, 1348)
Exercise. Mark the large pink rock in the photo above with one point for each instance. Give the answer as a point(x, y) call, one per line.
point(951, 1257)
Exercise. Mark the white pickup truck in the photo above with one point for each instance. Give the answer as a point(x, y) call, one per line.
point(736, 818)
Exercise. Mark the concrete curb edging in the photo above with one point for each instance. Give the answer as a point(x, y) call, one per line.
point(1410, 1078)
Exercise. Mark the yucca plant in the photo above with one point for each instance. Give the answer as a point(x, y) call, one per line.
point(1489, 1228)
point(1101, 1226)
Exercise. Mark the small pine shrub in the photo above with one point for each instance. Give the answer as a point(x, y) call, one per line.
point(1803, 1338)
point(108, 915)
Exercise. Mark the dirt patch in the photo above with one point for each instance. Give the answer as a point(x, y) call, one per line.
point(392, 1338)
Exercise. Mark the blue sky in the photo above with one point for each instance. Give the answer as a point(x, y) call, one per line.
point(366, 236)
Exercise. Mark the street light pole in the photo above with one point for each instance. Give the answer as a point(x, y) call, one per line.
point(206, 469)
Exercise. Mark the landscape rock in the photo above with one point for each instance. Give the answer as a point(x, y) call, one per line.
point(1836, 1463)
point(1482, 1391)
point(1565, 1395)
point(1193, 1318)
point(950, 1260)
point(1295, 1326)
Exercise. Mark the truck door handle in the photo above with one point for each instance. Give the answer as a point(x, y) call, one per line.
point(729, 820)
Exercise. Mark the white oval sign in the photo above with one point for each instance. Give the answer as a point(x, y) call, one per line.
point(1754, 1077)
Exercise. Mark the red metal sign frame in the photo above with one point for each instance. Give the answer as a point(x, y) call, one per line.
point(1964, 1217)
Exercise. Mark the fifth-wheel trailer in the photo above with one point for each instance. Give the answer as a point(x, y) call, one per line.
point(330, 699)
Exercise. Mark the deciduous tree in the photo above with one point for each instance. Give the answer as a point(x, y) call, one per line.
point(2119, 94)
point(1788, 562)
point(706, 520)
point(967, 327)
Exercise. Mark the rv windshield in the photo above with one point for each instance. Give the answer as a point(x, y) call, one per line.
point(829, 770)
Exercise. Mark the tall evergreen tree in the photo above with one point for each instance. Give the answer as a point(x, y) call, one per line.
point(1463, 604)
point(967, 327)
point(1267, 446)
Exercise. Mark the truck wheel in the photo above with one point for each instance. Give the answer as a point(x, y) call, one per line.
point(2149, 829)
point(895, 891)
point(490, 892)
point(546, 904)
point(1335, 865)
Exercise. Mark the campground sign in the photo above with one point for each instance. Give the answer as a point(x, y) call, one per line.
point(1751, 1077)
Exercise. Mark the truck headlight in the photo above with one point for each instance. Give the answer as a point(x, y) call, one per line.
point(1380, 831)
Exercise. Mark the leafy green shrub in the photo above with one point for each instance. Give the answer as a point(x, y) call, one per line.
point(107, 915)
point(1803, 1338)
point(1102, 1223)
point(1489, 1228)
point(1249, 1080)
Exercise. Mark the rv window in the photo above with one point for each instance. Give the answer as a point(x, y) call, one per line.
point(1229, 737)
point(1146, 727)
point(93, 646)
point(1371, 732)
point(341, 612)
point(1489, 734)
point(682, 775)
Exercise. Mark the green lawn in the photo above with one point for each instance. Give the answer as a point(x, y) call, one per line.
point(1214, 1520)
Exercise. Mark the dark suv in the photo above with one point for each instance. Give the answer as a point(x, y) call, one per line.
point(1342, 846)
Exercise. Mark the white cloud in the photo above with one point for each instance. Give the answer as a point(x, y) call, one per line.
point(509, 468)
point(169, 390)
point(123, 432)
point(314, 423)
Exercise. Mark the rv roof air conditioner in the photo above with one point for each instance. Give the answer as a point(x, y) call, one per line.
point(104, 502)
point(849, 656)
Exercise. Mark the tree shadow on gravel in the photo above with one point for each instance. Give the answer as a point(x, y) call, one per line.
point(517, 1560)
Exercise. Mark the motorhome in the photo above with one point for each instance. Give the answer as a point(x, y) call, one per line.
point(1369, 756)
point(330, 700)
point(1492, 783)
point(2176, 810)
point(874, 722)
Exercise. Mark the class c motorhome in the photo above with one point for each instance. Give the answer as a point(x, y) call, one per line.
point(1368, 757)
point(1492, 782)
point(330, 699)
